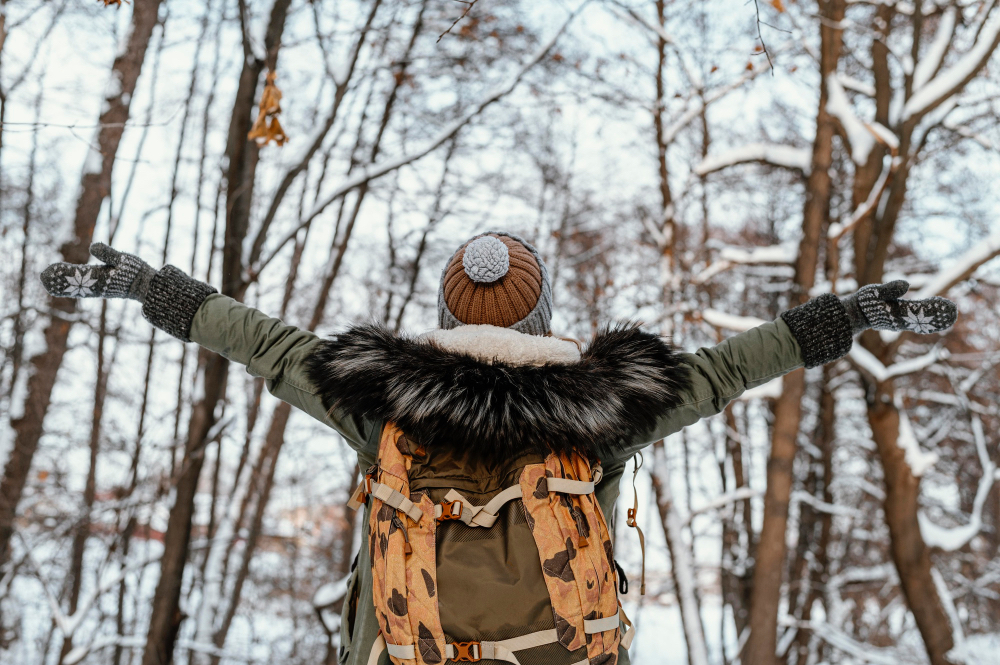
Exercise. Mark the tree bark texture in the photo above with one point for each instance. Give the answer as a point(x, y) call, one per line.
point(681, 559)
point(761, 646)
point(82, 531)
point(241, 154)
point(909, 552)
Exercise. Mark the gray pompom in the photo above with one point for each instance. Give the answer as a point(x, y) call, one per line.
point(486, 259)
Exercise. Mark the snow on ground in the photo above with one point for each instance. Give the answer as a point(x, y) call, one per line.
point(659, 634)
point(978, 650)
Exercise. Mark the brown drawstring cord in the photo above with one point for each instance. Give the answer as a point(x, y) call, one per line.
point(632, 512)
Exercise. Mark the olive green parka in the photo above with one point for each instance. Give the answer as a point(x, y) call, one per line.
point(279, 354)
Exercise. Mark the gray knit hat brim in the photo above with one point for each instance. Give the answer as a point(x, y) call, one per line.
point(537, 322)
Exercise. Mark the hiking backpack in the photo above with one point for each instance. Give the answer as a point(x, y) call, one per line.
point(508, 561)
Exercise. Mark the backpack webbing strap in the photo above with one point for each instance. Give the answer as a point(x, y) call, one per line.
point(378, 646)
point(473, 651)
point(591, 626)
point(567, 486)
point(503, 649)
point(629, 633)
point(485, 515)
point(391, 497)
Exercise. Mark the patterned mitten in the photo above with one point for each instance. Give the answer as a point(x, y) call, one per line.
point(879, 306)
point(121, 276)
point(169, 298)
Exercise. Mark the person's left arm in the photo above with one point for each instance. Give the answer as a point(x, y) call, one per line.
point(193, 311)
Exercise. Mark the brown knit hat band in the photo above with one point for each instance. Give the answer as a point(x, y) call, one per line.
point(501, 303)
point(496, 279)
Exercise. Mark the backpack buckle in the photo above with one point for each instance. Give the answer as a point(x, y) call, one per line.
point(467, 652)
point(452, 510)
point(370, 474)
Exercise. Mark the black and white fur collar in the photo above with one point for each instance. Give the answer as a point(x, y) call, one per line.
point(500, 391)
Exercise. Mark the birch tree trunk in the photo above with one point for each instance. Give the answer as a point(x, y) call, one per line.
point(681, 559)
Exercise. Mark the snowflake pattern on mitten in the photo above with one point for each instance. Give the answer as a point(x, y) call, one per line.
point(121, 276)
point(882, 306)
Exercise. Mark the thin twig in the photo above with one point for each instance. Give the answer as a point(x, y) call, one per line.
point(760, 36)
point(469, 4)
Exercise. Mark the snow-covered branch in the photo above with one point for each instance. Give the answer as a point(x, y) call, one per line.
point(860, 138)
point(722, 501)
point(730, 321)
point(864, 653)
point(837, 230)
point(864, 359)
point(957, 636)
point(822, 506)
point(77, 654)
point(884, 572)
point(330, 593)
point(963, 268)
point(126, 641)
point(950, 81)
point(68, 625)
point(694, 111)
point(731, 256)
point(955, 538)
point(854, 84)
point(773, 154)
point(918, 460)
point(931, 61)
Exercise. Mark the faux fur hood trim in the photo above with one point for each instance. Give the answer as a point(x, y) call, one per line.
point(622, 383)
point(492, 345)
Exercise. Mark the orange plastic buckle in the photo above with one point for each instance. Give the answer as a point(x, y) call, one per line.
point(370, 474)
point(467, 652)
point(631, 517)
point(452, 510)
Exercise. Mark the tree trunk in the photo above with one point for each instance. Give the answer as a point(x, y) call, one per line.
point(82, 530)
point(681, 559)
point(766, 595)
point(242, 155)
point(814, 572)
point(95, 186)
point(909, 553)
point(736, 586)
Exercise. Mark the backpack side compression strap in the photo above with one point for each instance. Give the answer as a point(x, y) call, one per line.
point(403, 560)
point(575, 551)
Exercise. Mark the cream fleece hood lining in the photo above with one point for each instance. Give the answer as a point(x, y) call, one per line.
point(491, 344)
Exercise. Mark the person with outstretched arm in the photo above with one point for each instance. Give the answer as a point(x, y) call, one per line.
point(492, 449)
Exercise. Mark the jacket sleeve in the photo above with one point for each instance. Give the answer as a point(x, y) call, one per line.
point(810, 335)
point(276, 352)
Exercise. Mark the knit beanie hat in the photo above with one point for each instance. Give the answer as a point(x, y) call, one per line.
point(498, 279)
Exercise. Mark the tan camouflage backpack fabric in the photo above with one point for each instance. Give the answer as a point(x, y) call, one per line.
point(510, 562)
